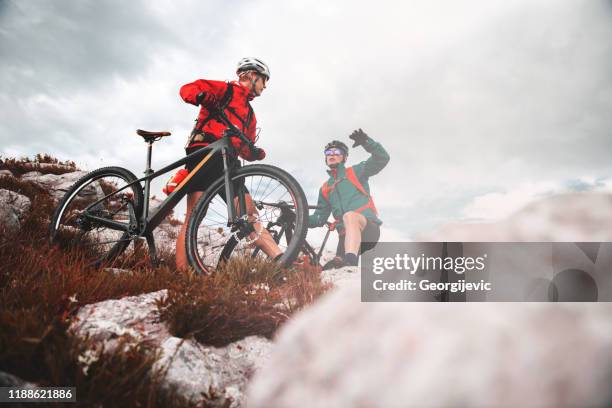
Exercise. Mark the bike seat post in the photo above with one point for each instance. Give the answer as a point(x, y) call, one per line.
point(148, 172)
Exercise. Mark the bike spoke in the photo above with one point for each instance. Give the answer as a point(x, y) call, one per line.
point(74, 225)
point(267, 195)
point(267, 185)
point(215, 241)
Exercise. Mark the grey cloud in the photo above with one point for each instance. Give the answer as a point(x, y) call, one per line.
point(466, 96)
point(56, 47)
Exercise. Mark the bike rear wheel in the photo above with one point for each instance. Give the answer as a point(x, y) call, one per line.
point(99, 227)
point(211, 240)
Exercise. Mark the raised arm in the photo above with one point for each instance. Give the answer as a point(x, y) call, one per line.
point(379, 157)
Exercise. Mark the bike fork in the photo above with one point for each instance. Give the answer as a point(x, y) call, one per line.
point(229, 193)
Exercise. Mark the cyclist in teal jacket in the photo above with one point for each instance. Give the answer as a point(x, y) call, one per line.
point(346, 196)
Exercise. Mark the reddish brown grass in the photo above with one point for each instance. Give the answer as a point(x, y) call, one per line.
point(42, 163)
point(38, 284)
point(244, 298)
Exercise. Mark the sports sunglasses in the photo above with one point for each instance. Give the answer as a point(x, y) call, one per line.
point(331, 152)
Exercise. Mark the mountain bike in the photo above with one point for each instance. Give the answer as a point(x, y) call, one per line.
point(108, 208)
point(283, 229)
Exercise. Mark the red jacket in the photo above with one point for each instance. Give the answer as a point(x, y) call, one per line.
point(238, 111)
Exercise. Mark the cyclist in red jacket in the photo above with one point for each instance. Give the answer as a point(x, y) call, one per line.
point(234, 99)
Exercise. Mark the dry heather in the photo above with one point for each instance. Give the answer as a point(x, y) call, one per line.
point(41, 289)
point(247, 297)
point(42, 163)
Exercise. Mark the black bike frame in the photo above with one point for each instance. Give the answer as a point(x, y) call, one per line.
point(148, 222)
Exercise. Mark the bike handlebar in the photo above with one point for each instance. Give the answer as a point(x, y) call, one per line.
point(234, 130)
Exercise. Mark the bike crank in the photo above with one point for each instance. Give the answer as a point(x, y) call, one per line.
point(243, 228)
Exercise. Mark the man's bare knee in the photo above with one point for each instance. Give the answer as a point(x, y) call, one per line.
point(354, 218)
point(350, 217)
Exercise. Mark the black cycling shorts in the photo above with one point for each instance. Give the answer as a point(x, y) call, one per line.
point(369, 238)
point(213, 169)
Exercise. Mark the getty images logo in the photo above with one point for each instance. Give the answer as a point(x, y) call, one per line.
point(422, 263)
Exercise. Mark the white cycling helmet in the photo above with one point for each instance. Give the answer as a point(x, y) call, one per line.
point(253, 64)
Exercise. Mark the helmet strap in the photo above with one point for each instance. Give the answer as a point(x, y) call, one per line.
point(251, 81)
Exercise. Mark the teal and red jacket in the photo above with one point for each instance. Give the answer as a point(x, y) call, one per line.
point(340, 195)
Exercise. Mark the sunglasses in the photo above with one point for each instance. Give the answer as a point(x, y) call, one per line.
point(263, 78)
point(334, 152)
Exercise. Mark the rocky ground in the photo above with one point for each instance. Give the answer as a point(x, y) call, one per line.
point(216, 376)
point(342, 352)
point(197, 372)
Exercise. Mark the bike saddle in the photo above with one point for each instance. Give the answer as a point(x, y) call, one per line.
point(151, 136)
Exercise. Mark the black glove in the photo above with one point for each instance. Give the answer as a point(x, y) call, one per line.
point(208, 100)
point(251, 153)
point(359, 137)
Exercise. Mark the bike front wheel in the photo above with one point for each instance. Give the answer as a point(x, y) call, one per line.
point(277, 199)
point(95, 219)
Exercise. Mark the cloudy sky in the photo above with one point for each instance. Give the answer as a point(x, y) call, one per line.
point(484, 105)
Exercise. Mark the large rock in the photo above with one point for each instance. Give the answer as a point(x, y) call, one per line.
point(216, 376)
point(57, 185)
point(210, 375)
point(9, 380)
point(13, 207)
point(344, 353)
point(109, 322)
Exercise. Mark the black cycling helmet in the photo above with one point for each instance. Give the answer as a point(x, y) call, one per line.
point(338, 145)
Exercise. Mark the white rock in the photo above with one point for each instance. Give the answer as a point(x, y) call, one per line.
point(31, 175)
point(341, 276)
point(13, 207)
point(341, 352)
point(216, 376)
point(218, 373)
point(5, 173)
point(57, 185)
point(52, 165)
point(110, 321)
